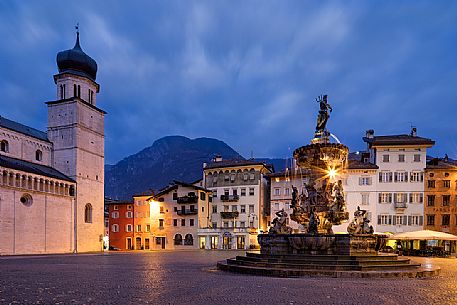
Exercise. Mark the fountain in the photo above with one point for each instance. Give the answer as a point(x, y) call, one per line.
point(319, 206)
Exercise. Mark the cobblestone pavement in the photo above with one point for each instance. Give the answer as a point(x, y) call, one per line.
point(189, 277)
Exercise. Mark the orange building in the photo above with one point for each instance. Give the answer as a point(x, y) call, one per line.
point(441, 195)
point(142, 222)
point(121, 225)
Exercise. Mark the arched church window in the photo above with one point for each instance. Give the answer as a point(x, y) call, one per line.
point(88, 213)
point(39, 155)
point(188, 240)
point(4, 146)
point(178, 240)
point(74, 90)
point(79, 91)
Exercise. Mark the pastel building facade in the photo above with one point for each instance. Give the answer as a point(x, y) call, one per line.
point(240, 207)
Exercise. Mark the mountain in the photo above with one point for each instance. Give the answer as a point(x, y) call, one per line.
point(169, 158)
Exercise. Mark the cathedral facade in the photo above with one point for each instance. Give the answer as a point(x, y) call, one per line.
point(52, 183)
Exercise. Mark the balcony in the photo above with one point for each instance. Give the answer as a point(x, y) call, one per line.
point(400, 205)
point(187, 199)
point(229, 215)
point(187, 212)
point(230, 198)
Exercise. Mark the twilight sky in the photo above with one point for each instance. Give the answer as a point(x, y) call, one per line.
point(245, 72)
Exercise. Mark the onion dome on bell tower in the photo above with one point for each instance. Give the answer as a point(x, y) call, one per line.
point(77, 62)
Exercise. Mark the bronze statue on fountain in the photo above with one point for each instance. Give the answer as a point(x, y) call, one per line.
point(322, 196)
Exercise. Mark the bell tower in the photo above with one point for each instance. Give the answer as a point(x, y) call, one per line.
point(76, 128)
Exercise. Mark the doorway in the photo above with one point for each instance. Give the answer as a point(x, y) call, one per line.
point(129, 243)
point(160, 242)
point(138, 243)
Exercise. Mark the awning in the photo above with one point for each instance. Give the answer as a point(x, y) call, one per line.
point(423, 235)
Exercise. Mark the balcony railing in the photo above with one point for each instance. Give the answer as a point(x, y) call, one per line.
point(229, 215)
point(230, 198)
point(400, 205)
point(187, 212)
point(187, 199)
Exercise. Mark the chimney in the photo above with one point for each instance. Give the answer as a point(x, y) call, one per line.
point(217, 158)
point(370, 133)
point(413, 131)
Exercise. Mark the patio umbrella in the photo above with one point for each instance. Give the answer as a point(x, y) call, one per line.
point(423, 235)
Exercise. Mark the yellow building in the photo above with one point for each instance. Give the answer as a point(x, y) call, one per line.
point(176, 214)
point(441, 195)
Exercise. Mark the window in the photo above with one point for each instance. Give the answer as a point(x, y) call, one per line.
point(431, 183)
point(243, 191)
point(214, 193)
point(415, 220)
point(26, 200)
point(365, 181)
point(202, 196)
point(242, 209)
point(401, 177)
point(242, 224)
point(226, 177)
point(385, 158)
point(177, 240)
point(162, 211)
point(79, 91)
point(430, 200)
point(88, 213)
point(365, 199)
point(115, 215)
point(416, 197)
point(175, 196)
point(214, 209)
point(226, 192)
point(446, 200)
point(138, 228)
point(385, 198)
point(447, 183)
point(416, 177)
point(148, 228)
point(175, 222)
point(401, 197)
point(276, 205)
point(128, 228)
point(251, 175)
point(245, 176)
point(129, 207)
point(232, 177)
point(398, 220)
point(234, 208)
point(75, 90)
point(4, 147)
point(251, 191)
point(225, 224)
point(128, 214)
point(384, 219)
point(430, 220)
point(417, 158)
point(445, 219)
point(183, 222)
point(39, 155)
point(401, 158)
point(188, 240)
point(277, 192)
point(251, 208)
point(161, 223)
point(115, 207)
point(214, 225)
point(385, 177)
point(115, 228)
point(287, 191)
point(191, 222)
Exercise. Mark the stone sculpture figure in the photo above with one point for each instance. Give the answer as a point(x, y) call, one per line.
point(360, 223)
point(323, 116)
point(313, 223)
point(294, 202)
point(279, 224)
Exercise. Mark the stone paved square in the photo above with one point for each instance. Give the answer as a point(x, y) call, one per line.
point(190, 277)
